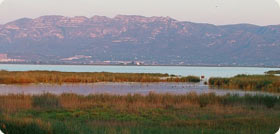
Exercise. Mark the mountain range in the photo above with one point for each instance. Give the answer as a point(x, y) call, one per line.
point(127, 39)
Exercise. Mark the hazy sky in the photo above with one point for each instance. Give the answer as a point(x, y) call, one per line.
point(261, 12)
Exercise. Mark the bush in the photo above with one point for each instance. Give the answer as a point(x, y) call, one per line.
point(21, 127)
point(184, 79)
point(191, 79)
point(204, 100)
point(46, 101)
point(269, 101)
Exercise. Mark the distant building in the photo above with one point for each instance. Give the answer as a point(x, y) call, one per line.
point(3, 56)
point(76, 57)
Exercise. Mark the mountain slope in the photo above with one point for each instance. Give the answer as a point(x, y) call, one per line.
point(160, 40)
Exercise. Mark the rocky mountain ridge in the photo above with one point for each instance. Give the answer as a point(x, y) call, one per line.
point(149, 40)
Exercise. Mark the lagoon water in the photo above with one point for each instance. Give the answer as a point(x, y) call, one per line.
point(177, 70)
point(129, 88)
point(118, 89)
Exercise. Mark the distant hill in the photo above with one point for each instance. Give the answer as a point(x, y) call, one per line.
point(149, 40)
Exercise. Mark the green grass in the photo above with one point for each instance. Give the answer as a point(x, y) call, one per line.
point(137, 114)
point(28, 77)
point(266, 83)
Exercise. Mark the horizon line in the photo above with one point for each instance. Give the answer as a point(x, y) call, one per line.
point(241, 23)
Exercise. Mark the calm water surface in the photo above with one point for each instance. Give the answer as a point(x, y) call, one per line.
point(177, 70)
point(117, 89)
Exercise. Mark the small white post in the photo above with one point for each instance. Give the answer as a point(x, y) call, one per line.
point(1, 132)
point(278, 131)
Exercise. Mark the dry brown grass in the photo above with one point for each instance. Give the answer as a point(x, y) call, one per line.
point(218, 104)
point(71, 113)
point(13, 103)
point(266, 83)
point(28, 77)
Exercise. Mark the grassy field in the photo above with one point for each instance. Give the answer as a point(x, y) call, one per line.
point(266, 83)
point(28, 77)
point(137, 114)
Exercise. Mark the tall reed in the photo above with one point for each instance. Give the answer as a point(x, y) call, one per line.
point(27, 77)
point(267, 83)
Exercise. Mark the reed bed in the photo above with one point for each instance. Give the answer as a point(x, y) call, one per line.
point(28, 77)
point(152, 100)
point(139, 114)
point(266, 83)
point(272, 72)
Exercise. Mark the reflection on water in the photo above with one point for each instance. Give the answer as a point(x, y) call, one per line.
point(116, 88)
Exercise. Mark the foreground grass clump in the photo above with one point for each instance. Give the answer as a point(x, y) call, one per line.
point(46, 101)
point(138, 114)
point(267, 83)
point(7, 77)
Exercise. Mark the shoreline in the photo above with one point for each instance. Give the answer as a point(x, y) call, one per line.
point(161, 65)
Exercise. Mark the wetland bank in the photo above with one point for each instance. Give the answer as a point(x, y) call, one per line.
point(174, 110)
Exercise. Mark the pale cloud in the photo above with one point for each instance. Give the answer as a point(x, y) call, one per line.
point(1, 1)
point(278, 1)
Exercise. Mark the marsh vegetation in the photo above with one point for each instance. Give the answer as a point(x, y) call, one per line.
point(266, 83)
point(28, 77)
point(138, 114)
point(272, 72)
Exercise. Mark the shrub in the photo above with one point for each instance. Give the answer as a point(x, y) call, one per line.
point(191, 79)
point(11, 126)
point(203, 100)
point(46, 101)
point(270, 101)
